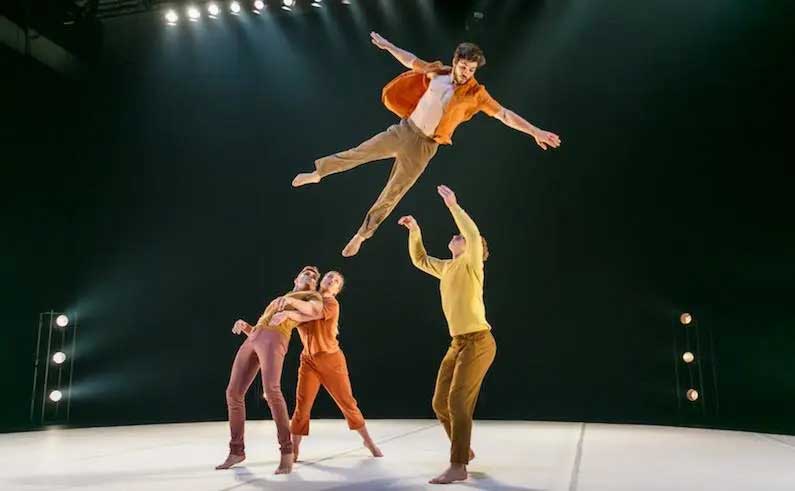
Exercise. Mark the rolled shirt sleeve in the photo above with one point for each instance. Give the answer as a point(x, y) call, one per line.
point(487, 103)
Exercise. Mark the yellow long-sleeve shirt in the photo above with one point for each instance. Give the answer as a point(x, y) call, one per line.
point(286, 327)
point(461, 279)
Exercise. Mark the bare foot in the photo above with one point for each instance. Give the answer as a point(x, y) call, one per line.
point(353, 246)
point(306, 178)
point(456, 472)
point(296, 445)
point(231, 460)
point(285, 464)
point(373, 449)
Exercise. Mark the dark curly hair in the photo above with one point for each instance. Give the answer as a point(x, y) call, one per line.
point(469, 52)
point(485, 248)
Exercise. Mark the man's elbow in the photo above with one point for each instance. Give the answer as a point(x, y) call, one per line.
point(503, 115)
point(315, 311)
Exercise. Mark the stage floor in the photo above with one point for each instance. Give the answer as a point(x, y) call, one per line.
point(511, 456)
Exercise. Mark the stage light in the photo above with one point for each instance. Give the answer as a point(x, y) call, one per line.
point(172, 17)
point(193, 13)
point(692, 395)
point(287, 5)
point(685, 318)
point(317, 3)
point(213, 9)
point(688, 357)
point(258, 5)
point(59, 357)
point(62, 321)
point(55, 395)
point(346, 2)
point(234, 7)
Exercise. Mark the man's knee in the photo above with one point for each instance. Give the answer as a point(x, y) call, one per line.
point(440, 406)
point(234, 395)
point(459, 404)
point(273, 393)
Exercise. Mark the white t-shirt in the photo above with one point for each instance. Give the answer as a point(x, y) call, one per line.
point(430, 108)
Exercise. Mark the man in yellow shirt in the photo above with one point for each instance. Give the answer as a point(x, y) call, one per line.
point(264, 351)
point(472, 349)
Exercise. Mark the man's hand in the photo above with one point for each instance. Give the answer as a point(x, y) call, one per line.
point(281, 303)
point(447, 195)
point(240, 327)
point(379, 41)
point(278, 318)
point(409, 222)
point(546, 138)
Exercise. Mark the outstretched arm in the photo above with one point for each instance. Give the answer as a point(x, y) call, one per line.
point(488, 105)
point(404, 57)
point(431, 265)
point(543, 138)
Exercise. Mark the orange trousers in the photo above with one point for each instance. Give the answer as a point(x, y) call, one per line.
point(331, 371)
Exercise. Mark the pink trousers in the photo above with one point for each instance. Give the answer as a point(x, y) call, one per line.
point(263, 351)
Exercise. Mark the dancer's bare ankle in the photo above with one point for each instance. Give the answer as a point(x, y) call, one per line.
point(231, 460)
point(306, 178)
point(353, 245)
point(285, 464)
point(456, 472)
point(373, 448)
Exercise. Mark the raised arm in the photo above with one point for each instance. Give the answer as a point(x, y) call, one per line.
point(465, 224)
point(405, 58)
point(431, 265)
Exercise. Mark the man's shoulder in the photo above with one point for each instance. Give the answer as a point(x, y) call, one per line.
point(475, 88)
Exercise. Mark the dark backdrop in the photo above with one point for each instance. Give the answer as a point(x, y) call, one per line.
point(153, 197)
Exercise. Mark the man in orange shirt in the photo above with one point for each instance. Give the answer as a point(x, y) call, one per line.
point(264, 351)
point(432, 100)
point(323, 363)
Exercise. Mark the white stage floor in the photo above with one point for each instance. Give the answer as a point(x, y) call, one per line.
point(511, 456)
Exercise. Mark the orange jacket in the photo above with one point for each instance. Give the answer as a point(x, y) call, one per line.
point(403, 93)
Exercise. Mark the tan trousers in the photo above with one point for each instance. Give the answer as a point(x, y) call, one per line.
point(458, 385)
point(411, 150)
